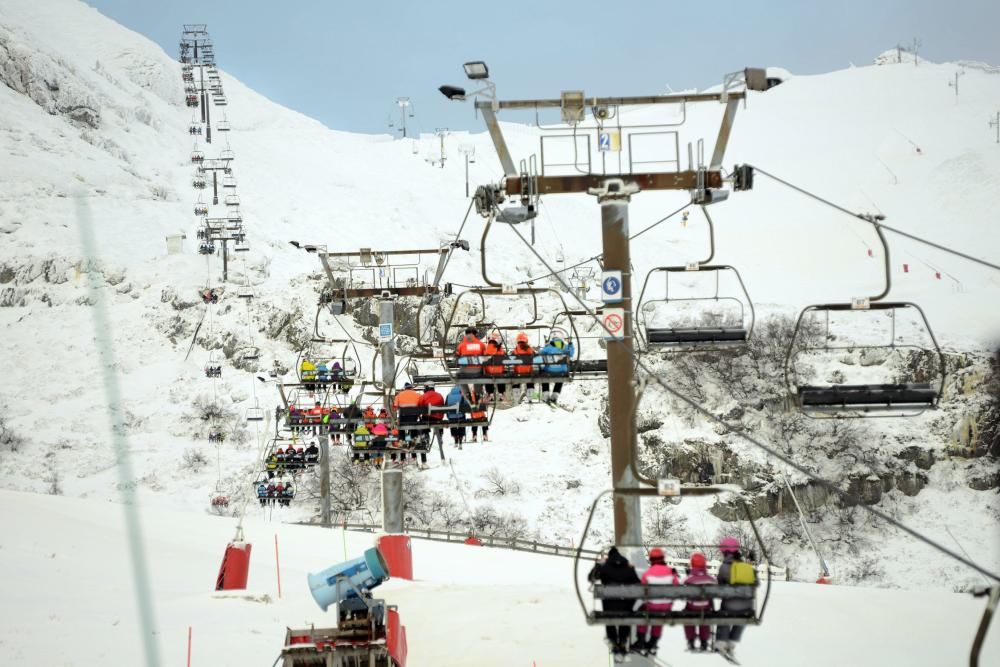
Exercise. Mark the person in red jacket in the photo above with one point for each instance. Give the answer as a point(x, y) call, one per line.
point(658, 573)
point(431, 398)
point(469, 352)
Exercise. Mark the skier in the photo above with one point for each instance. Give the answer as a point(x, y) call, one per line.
point(698, 575)
point(616, 569)
point(456, 399)
point(307, 371)
point(262, 493)
point(312, 454)
point(734, 570)
point(658, 573)
point(469, 351)
point(431, 399)
point(286, 495)
point(477, 401)
point(555, 358)
point(407, 404)
point(494, 366)
point(525, 354)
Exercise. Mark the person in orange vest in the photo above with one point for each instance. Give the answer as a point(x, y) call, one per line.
point(477, 400)
point(407, 404)
point(369, 418)
point(469, 352)
point(525, 353)
point(494, 366)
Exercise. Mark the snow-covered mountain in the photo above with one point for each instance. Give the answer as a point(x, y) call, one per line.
point(93, 126)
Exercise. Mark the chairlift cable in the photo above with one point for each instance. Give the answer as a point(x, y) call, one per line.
point(876, 223)
point(829, 486)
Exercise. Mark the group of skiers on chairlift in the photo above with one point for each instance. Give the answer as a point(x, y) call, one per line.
point(276, 490)
point(616, 569)
point(317, 372)
point(291, 459)
point(490, 359)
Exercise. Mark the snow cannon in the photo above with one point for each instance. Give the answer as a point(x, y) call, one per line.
point(345, 580)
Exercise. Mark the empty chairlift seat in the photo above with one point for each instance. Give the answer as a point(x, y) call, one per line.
point(824, 356)
point(672, 322)
point(869, 396)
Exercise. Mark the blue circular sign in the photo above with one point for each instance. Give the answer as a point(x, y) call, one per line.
point(612, 285)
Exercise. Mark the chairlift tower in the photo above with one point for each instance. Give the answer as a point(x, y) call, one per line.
point(441, 133)
point(613, 190)
point(405, 111)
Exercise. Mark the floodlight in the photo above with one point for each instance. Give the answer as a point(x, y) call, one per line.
point(476, 70)
point(453, 93)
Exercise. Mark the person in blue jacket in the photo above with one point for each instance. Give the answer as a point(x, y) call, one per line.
point(262, 493)
point(457, 400)
point(555, 356)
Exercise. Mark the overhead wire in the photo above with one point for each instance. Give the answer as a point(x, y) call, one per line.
point(826, 484)
point(877, 223)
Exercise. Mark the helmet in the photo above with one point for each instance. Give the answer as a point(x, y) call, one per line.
point(407, 386)
point(522, 337)
point(558, 343)
point(429, 386)
point(729, 545)
point(698, 559)
point(656, 555)
point(470, 331)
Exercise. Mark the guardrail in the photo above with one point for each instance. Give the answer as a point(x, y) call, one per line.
point(533, 546)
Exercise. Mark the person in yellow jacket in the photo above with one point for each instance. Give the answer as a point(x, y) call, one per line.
point(307, 373)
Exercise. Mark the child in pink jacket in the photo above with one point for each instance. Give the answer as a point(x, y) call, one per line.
point(699, 575)
point(658, 573)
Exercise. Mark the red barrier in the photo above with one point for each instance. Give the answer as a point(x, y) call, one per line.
point(395, 638)
point(398, 555)
point(235, 567)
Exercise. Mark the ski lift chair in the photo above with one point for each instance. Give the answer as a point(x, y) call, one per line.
point(903, 397)
point(198, 182)
point(232, 200)
point(245, 292)
point(678, 337)
point(640, 593)
point(197, 157)
point(222, 126)
point(242, 246)
point(255, 414)
point(200, 209)
point(227, 155)
point(194, 130)
point(206, 249)
point(229, 181)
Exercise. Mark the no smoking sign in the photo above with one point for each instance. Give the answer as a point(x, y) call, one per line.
point(614, 323)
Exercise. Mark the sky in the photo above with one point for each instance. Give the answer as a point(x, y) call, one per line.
point(346, 63)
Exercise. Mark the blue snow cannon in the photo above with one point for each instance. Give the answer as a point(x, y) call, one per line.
point(342, 582)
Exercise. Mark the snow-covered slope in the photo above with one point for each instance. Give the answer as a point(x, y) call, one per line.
point(92, 118)
point(467, 605)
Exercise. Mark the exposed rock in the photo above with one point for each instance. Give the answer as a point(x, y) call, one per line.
point(922, 458)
